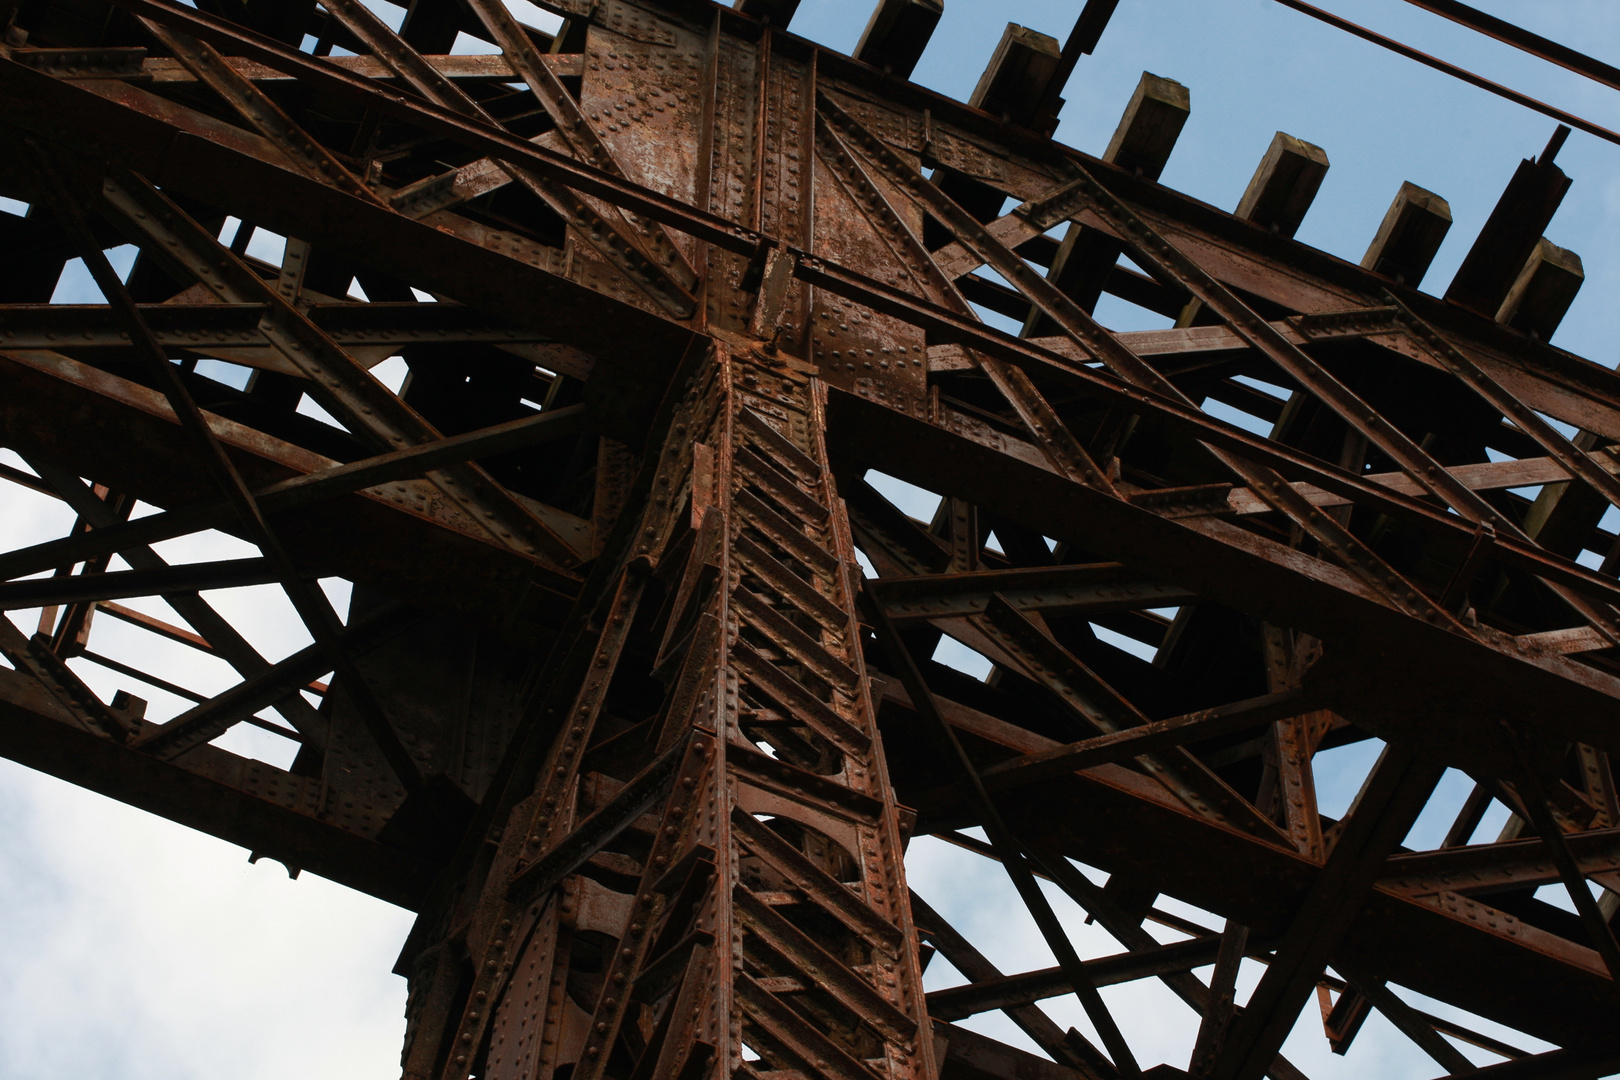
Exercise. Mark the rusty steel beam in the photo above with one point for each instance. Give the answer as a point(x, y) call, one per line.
point(1058, 590)
point(231, 331)
point(615, 708)
point(1077, 974)
point(1482, 869)
point(237, 799)
point(122, 584)
point(1251, 572)
point(301, 490)
point(1256, 894)
point(214, 716)
point(1133, 741)
point(352, 542)
point(1387, 805)
point(1012, 990)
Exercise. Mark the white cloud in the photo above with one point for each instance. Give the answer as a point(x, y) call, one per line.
point(134, 948)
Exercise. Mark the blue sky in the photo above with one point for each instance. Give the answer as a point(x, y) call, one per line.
point(130, 947)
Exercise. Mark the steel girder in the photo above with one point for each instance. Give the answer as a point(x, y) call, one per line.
point(615, 708)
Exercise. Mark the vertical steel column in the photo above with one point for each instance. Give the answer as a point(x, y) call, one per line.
point(718, 888)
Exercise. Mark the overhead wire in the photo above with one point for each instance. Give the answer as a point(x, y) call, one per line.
point(1453, 70)
point(1524, 40)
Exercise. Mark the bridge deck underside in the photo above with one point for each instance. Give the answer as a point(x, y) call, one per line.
point(636, 702)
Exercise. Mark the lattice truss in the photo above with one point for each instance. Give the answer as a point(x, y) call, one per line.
point(614, 706)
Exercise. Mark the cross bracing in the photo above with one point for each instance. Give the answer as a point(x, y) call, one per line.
point(614, 706)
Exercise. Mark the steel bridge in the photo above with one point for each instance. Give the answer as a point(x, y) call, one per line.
point(635, 701)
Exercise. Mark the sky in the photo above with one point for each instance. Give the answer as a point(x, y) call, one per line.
point(131, 947)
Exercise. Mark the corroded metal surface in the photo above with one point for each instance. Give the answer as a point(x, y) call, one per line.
point(616, 708)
